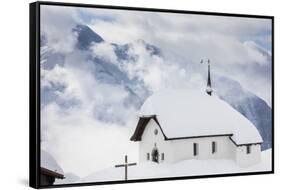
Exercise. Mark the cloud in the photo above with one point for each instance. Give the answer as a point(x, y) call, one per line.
point(230, 42)
point(75, 121)
point(57, 23)
point(71, 127)
point(64, 78)
point(183, 39)
point(82, 144)
point(104, 51)
point(256, 53)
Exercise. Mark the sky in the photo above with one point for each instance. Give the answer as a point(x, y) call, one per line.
point(72, 123)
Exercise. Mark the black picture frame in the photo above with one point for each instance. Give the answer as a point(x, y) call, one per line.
point(34, 92)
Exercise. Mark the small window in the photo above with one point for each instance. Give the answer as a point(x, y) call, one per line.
point(248, 147)
point(195, 149)
point(147, 156)
point(155, 131)
point(162, 156)
point(214, 147)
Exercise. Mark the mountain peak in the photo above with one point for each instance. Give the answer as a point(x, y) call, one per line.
point(86, 36)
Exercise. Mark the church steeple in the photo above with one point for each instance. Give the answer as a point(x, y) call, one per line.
point(209, 89)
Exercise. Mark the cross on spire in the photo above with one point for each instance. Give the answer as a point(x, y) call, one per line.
point(125, 165)
point(209, 89)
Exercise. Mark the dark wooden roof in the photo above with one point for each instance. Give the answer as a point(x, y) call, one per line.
point(143, 121)
point(51, 173)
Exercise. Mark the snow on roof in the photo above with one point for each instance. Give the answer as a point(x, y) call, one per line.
point(48, 162)
point(187, 113)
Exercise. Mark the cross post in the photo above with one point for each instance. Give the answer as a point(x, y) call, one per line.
point(126, 166)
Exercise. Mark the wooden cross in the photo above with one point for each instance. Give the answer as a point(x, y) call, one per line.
point(126, 166)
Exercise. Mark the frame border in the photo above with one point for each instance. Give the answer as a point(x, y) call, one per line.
point(34, 92)
point(34, 95)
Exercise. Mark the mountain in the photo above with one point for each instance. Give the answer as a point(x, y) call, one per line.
point(105, 72)
point(248, 104)
point(86, 36)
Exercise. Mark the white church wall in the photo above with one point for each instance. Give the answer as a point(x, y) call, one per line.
point(177, 150)
point(233, 148)
point(183, 149)
point(244, 159)
point(148, 141)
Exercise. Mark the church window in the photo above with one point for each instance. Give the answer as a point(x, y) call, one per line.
point(155, 132)
point(248, 149)
point(195, 149)
point(214, 147)
point(162, 156)
point(147, 156)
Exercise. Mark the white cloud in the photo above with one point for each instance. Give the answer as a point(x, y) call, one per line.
point(82, 144)
point(104, 51)
point(153, 70)
point(60, 76)
point(73, 135)
point(57, 23)
point(255, 55)
point(186, 39)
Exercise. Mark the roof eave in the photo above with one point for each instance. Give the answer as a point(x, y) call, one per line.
point(244, 144)
point(51, 173)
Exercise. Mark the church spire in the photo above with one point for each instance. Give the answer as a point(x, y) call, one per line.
point(209, 89)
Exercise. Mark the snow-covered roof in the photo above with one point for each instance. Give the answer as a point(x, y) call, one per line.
point(48, 162)
point(188, 113)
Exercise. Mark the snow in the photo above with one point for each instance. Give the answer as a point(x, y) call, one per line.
point(184, 168)
point(68, 178)
point(183, 113)
point(48, 162)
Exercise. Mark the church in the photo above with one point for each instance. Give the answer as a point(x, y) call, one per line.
point(176, 125)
